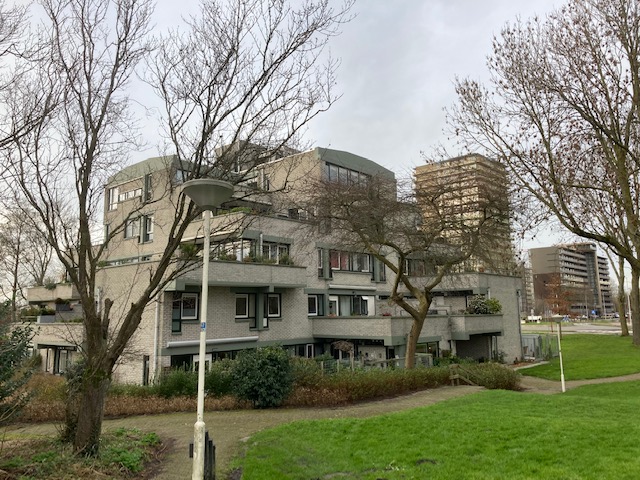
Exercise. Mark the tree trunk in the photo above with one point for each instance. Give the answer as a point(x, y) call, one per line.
point(635, 304)
point(90, 414)
point(622, 298)
point(412, 342)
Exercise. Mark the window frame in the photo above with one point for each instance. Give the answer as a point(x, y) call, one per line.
point(313, 313)
point(182, 309)
point(132, 228)
point(267, 305)
point(112, 198)
point(245, 297)
point(147, 228)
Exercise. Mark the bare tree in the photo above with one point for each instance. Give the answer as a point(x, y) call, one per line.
point(249, 71)
point(420, 237)
point(562, 113)
point(26, 259)
point(244, 79)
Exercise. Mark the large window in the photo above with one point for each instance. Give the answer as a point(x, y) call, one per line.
point(349, 261)
point(344, 175)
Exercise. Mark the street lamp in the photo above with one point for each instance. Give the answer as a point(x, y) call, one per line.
point(207, 193)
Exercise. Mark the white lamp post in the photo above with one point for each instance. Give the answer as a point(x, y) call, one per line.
point(208, 194)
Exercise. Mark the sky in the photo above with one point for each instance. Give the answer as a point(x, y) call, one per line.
point(399, 60)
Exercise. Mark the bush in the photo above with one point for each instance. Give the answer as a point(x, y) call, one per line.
point(263, 376)
point(356, 386)
point(176, 383)
point(14, 370)
point(306, 372)
point(481, 305)
point(218, 381)
point(494, 376)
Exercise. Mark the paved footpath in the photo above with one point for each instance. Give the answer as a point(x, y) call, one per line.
point(230, 428)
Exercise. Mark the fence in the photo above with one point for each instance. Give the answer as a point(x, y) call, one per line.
point(332, 366)
point(539, 346)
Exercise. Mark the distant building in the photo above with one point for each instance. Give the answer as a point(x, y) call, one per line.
point(469, 187)
point(571, 279)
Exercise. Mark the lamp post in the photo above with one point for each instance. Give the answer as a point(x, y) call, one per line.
point(207, 193)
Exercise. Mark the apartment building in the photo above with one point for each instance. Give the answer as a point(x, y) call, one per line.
point(469, 188)
point(274, 278)
point(571, 279)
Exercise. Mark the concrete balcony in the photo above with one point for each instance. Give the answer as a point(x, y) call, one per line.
point(65, 291)
point(390, 329)
point(462, 326)
point(240, 274)
point(58, 334)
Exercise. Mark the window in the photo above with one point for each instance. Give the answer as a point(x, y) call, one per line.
point(113, 198)
point(272, 308)
point(349, 261)
point(189, 306)
point(275, 251)
point(316, 305)
point(359, 306)
point(345, 176)
point(124, 196)
point(147, 228)
point(345, 305)
point(147, 188)
point(132, 228)
point(185, 307)
point(242, 305)
point(313, 305)
point(181, 176)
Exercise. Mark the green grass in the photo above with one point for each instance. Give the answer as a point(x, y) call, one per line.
point(591, 356)
point(489, 435)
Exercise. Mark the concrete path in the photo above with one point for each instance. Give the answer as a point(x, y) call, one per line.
point(230, 428)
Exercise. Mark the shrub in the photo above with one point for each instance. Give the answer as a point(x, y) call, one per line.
point(263, 376)
point(306, 372)
point(218, 380)
point(494, 376)
point(178, 382)
point(482, 305)
point(355, 386)
point(14, 371)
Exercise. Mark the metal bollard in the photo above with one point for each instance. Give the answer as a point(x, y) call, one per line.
point(209, 457)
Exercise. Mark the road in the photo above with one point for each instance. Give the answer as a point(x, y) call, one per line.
point(612, 328)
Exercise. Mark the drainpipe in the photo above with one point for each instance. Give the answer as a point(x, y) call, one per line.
point(156, 334)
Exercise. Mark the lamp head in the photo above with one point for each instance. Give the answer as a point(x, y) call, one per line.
point(208, 193)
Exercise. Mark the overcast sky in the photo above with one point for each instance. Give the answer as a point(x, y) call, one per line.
point(399, 59)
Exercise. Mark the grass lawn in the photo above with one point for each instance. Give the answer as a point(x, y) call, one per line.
point(588, 433)
point(591, 356)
